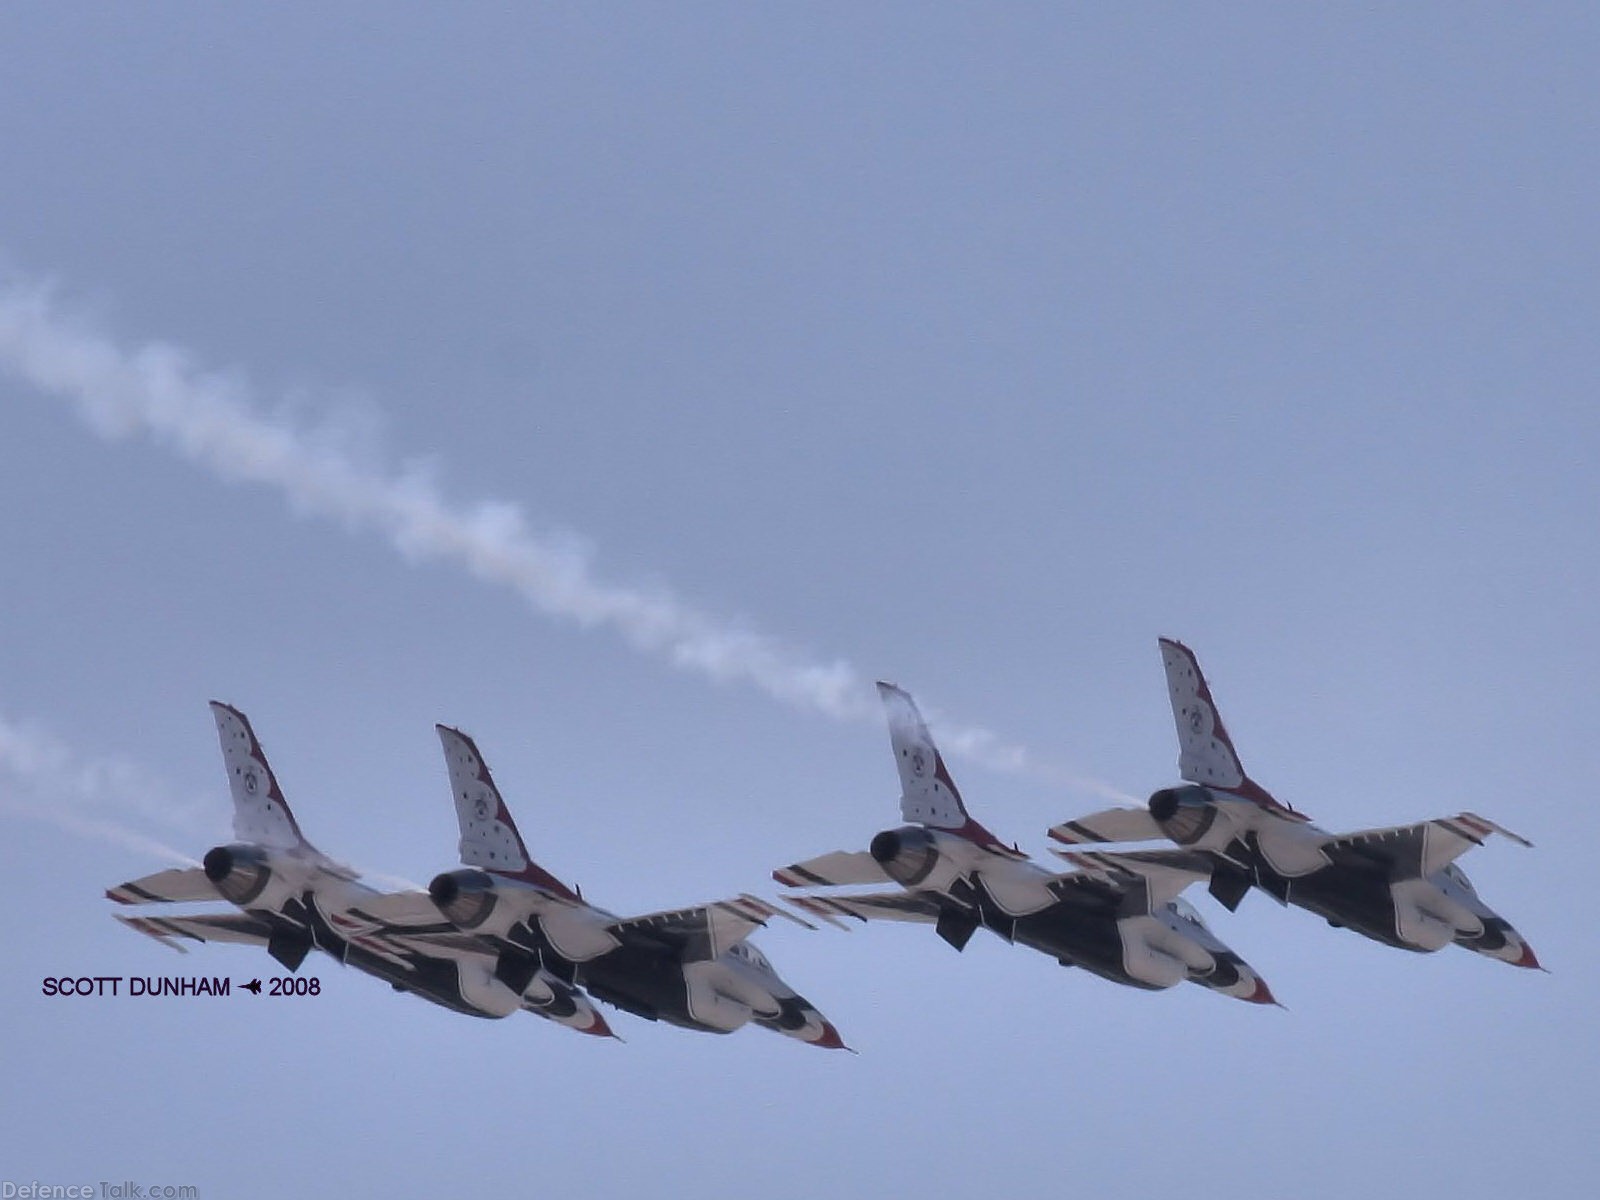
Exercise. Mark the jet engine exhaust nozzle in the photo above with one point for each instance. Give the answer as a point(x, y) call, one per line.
point(466, 898)
point(1184, 814)
point(1164, 804)
point(908, 855)
point(885, 847)
point(241, 873)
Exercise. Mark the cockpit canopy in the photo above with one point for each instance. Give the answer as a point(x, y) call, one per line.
point(747, 952)
point(1188, 912)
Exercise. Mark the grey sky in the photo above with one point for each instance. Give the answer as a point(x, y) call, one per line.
point(968, 349)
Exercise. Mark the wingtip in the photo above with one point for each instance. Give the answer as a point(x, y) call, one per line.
point(768, 911)
point(815, 907)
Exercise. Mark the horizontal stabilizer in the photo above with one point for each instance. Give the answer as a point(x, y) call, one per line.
point(919, 907)
point(707, 930)
point(832, 870)
point(177, 886)
point(409, 911)
point(1111, 825)
point(223, 927)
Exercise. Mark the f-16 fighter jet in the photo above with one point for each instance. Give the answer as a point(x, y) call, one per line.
point(295, 898)
point(1120, 917)
point(1399, 886)
point(691, 967)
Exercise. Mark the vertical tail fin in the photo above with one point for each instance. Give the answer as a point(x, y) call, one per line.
point(1205, 751)
point(260, 813)
point(489, 837)
point(928, 795)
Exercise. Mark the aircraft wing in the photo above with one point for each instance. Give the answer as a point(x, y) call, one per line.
point(831, 870)
point(1161, 874)
point(176, 886)
point(1110, 825)
point(705, 931)
point(1425, 847)
point(444, 942)
point(402, 912)
point(222, 927)
point(920, 907)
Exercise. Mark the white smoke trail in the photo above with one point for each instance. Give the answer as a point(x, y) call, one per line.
point(213, 420)
point(44, 779)
point(980, 746)
point(99, 828)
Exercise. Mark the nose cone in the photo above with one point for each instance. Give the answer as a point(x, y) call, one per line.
point(1262, 994)
point(829, 1039)
point(1517, 952)
point(1505, 943)
point(1237, 978)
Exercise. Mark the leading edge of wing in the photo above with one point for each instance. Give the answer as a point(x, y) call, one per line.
point(916, 907)
point(833, 870)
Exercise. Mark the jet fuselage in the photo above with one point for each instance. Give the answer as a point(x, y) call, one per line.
point(1372, 886)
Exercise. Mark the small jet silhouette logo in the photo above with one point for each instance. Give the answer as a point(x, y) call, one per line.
point(253, 986)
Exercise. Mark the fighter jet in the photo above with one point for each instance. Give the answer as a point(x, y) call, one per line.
point(1119, 917)
point(1399, 886)
point(294, 898)
point(690, 967)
